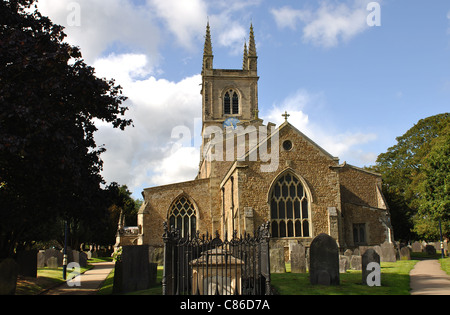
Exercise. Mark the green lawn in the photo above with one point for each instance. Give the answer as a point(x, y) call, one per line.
point(394, 281)
point(47, 278)
point(445, 264)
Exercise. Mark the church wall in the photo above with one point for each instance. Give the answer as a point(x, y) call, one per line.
point(160, 199)
point(304, 160)
point(362, 204)
point(370, 217)
point(358, 186)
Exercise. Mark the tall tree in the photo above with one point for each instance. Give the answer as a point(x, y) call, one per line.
point(433, 192)
point(49, 162)
point(404, 170)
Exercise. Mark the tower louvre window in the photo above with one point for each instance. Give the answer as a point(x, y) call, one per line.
point(231, 103)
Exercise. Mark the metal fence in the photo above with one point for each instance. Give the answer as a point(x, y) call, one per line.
point(203, 265)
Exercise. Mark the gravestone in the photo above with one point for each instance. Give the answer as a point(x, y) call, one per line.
point(324, 260)
point(370, 256)
point(41, 259)
point(54, 253)
point(348, 253)
point(416, 247)
point(430, 250)
point(355, 262)
point(156, 255)
point(52, 263)
point(344, 263)
point(277, 264)
point(377, 249)
point(298, 259)
point(27, 261)
point(80, 258)
point(134, 272)
point(9, 270)
point(405, 253)
point(388, 252)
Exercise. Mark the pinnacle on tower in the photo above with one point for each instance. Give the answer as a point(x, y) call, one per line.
point(252, 57)
point(208, 47)
point(251, 44)
point(207, 52)
point(245, 61)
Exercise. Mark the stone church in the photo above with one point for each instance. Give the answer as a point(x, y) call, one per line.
point(251, 173)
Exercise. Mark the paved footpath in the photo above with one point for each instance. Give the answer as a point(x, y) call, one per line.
point(86, 284)
point(427, 278)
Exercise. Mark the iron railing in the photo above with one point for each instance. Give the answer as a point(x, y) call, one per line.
point(203, 265)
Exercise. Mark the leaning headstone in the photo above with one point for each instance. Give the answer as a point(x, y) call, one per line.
point(388, 253)
point(405, 253)
point(370, 256)
point(298, 259)
point(9, 270)
point(27, 261)
point(324, 260)
point(416, 247)
point(277, 264)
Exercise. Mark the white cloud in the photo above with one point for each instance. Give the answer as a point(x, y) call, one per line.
point(146, 155)
point(286, 17)
point(347, 145)
point(329, 24)
point(105, 25)
point(186, 19)
point(233, 37)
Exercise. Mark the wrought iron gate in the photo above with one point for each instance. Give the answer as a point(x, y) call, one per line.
point(203, 265)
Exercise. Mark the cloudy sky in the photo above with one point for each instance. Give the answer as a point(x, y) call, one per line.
point(353, 74)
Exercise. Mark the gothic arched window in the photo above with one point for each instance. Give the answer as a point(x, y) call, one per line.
point(231, 103)
point(183, 217)
point(289, 208)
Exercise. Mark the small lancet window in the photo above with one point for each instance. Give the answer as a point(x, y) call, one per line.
point(231, 103)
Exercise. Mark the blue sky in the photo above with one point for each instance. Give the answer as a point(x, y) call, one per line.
point(350, 87)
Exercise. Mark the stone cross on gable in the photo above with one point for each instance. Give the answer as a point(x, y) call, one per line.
point(286, 115)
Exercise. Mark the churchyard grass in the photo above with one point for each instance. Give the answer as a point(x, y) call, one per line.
point(394, 281)
point(47, 278)
point(445, 264)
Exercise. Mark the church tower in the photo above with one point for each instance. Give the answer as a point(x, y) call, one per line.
point(229, 95)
